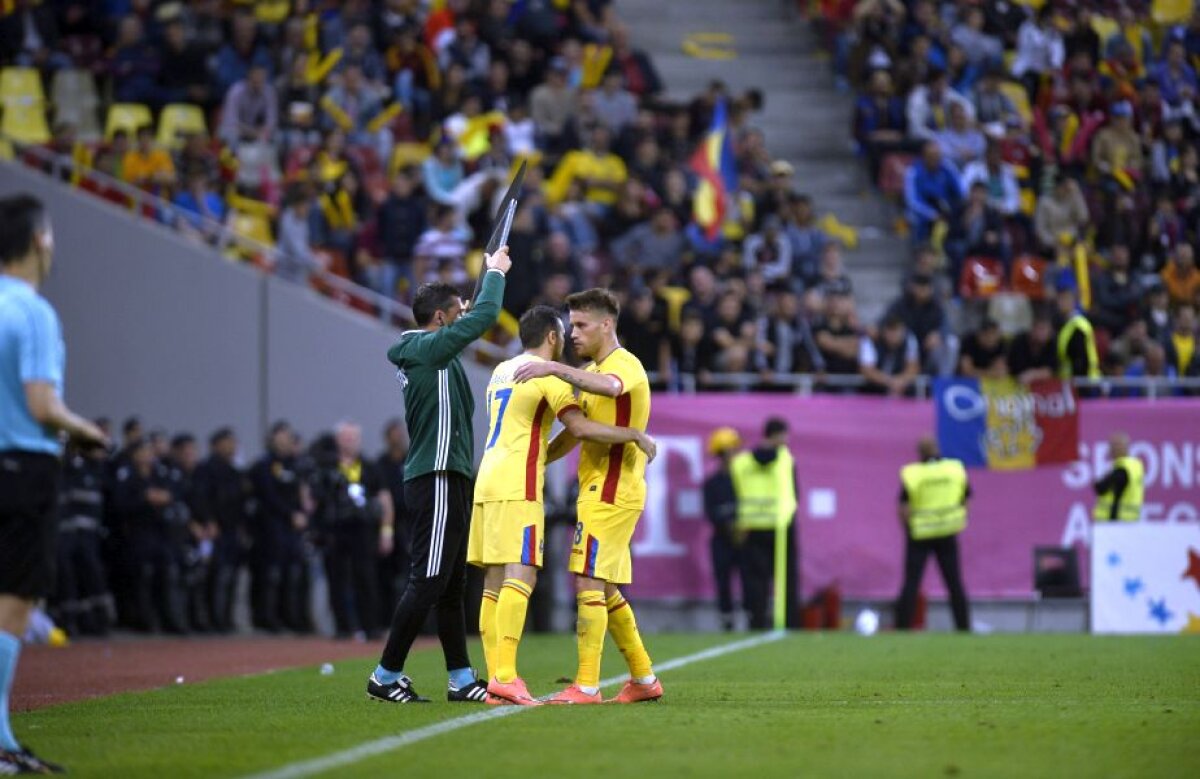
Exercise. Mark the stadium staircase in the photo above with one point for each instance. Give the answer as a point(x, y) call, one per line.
point(805, 119)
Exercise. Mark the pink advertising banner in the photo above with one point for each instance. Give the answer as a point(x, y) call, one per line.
point(848, 453)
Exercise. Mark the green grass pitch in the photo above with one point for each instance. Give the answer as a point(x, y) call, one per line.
point(808, 705)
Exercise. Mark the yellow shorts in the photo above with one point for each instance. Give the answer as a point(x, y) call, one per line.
point(506, 531)
point(601, 543)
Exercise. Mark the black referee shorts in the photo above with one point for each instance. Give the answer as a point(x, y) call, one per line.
point(28, 523)
point(439, 516)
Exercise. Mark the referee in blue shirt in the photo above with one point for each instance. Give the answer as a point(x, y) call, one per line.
point(32, 417)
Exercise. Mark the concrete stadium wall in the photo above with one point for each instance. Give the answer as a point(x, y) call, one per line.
point(165, 329)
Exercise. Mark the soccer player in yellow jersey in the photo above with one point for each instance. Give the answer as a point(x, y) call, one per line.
point(507, 522)
point(612, 492)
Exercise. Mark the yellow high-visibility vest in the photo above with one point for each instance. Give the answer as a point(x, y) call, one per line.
point(1130, 507)
point(936, 492)
point(766, 494)
point(1077, 322)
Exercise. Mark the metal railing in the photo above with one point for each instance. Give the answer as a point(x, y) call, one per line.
point(807, 384)
point(220, 236)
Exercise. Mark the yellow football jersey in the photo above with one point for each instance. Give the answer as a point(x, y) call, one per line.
point(519, 420)
point(616, 473)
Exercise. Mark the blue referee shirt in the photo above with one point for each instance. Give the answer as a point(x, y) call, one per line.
point(31, 349)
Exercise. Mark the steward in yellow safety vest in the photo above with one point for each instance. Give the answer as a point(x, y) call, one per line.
point(764, 481)
point(1076, 347)
point(1119, 494)
point(933, 508)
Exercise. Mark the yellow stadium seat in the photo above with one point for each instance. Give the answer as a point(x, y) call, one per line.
point(407, 154)
point(1020, 100)
point(272, 11)
point(1168, 12)
point(126, 116)
point(21, 85)
point(255, 227)
point(177, 118)
point(6, 149)
point(25, 123)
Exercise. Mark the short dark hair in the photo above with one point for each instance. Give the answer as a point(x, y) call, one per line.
point(536, 323)
point(391, 425)
point(130, 424)
point(219, 435)
point(431, 298)
point(596, 299)
point(182, 439)
point(775, 426)
point(20, 217)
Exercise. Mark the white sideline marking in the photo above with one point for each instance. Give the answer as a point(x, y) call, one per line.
point(390, 743)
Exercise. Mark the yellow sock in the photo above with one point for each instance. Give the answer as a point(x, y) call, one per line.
point(624, 630)
point(590, 628)
point(487, 629)
point(510, 624)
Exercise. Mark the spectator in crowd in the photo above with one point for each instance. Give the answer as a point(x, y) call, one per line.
point(785, 341)
point(925, 318)
point(889, 362)
point(999, 179)
point(970, 35)
point(992, 106)
point(414, 70)
point(1117, 149)
point(1117, 293)
point(467, 51)
point(931, 192)
point(600, 171)
point(1040, 50)
point(692, 352)
point(441, 248)
point(1032, 355)
point(832, 278)
point(296, 259)
point(251, 109)
point(880, 121)
point(983, 354)
point(614, 106)
point(977, 230)
point(637, 71)
point(1157, 312)
point(806, 240)
point(1175, 77)
point(769, 251)
point(183, 76)
point(29, 34)
point(360, 52)
point(134, 64)
point(837, 337)
point(734, 335)
point(961, 141)
point(243, 50)
point(401, 222)
point(1181, 352)
point(1180, 277)
point(201, 209)
point(554, 106)
point(355, 105)
point(650, 246)
point(644, 334)
point(929, 106)
point(1060, 212)
point(146, 165)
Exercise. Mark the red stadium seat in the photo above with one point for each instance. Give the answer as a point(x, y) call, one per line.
point(981, 278)
point(1029, 277)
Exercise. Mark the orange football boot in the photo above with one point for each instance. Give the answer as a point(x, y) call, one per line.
point(575, 695)
point(633, 692)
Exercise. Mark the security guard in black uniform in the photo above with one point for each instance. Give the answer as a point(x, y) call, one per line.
point(353, 519)
point(1120, 493)
point(933, 509)
point(223, 491)
point(154, 520)
point(83, 604)
point(195, 545)
point(278, 529)
point(721, 509)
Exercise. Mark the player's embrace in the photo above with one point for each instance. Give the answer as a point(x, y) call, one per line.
point(612, 492)
point(507, 524)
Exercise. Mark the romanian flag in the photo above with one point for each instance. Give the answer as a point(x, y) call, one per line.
point(713, 162)
point(1003, 425)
